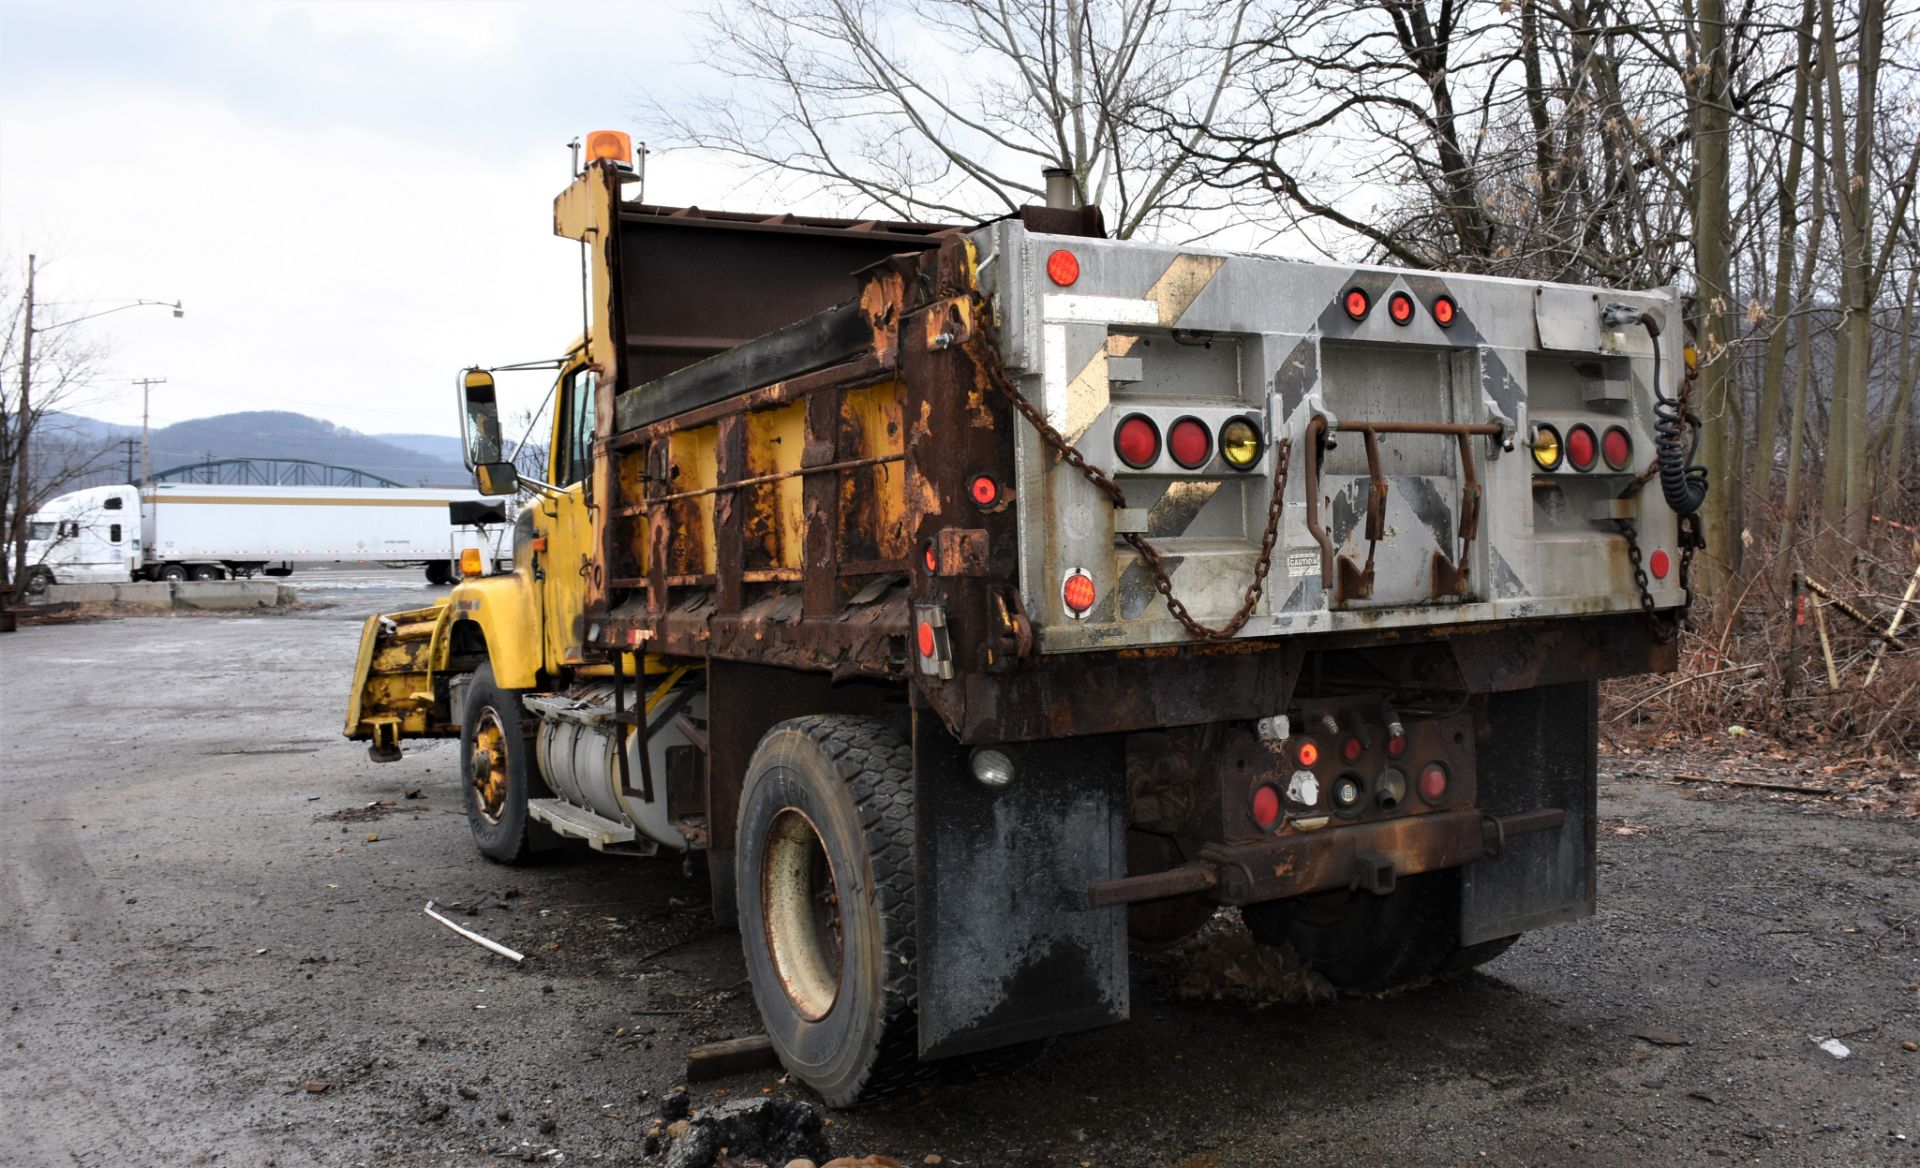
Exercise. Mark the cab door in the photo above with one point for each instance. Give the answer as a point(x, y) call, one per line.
point(563, 519)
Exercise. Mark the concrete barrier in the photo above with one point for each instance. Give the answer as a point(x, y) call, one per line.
point(200, 596)
point(225, 595)
point(143, 597)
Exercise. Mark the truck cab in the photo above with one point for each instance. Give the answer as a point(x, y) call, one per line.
point(90, 536)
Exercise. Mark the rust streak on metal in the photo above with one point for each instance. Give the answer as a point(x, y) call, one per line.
point(757, 480)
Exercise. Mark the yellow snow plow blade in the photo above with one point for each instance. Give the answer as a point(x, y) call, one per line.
point(394, 695)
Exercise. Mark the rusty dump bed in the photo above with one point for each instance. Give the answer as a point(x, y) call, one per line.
point(885, 480)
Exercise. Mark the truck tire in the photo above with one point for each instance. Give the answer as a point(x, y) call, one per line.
point(170, 573)
point(439, 572)
point(496, 760)
point(1364, 943)
point(38, 581)
point(205, 572)
point(825, 879)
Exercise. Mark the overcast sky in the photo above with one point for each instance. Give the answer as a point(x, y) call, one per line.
point(352, 199)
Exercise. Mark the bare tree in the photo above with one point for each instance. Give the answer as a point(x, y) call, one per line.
point(949, 109)
point(54, 366)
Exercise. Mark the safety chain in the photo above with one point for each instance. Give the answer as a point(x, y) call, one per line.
point(989, 355)
point(1661, 629)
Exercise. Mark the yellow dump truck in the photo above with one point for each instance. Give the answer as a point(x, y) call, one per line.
point(979, 600)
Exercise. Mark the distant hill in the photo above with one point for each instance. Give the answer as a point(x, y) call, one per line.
point(432, 445)
point(412, 459)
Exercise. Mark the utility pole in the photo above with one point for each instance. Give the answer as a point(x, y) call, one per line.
point(128, 443)
point(146, 385)
point(22, 502)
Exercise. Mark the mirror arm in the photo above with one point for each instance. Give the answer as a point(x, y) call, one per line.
point(540, 486)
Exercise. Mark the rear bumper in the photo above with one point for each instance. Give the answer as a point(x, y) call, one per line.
point(1366, 856)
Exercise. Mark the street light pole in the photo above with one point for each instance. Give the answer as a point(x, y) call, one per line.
point(20, 501)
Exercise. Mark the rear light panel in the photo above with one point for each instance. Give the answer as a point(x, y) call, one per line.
point(1172, 439)
point(1575, 446)
point(1366, 763)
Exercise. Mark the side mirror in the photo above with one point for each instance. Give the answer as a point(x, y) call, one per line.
point(496, 478)
point(480, 422)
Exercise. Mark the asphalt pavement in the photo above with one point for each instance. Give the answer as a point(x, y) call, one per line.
point(213, 952)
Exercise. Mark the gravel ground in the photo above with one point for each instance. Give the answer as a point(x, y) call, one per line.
point(214, 953)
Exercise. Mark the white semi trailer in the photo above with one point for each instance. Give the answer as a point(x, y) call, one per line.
point(193, 531)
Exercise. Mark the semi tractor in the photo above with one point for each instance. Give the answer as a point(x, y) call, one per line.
point(196, 531)
point(979, 601)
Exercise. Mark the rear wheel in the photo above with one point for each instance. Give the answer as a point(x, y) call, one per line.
point(171, 573)
point(825, 876)
point(495, 758)
point(205, 572)
point(439, 572)
point(1364, 943)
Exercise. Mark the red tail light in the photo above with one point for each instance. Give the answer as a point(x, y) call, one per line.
point(1137, 441)
point(1266, 805)
point(1078, 592)
point(1396, 746)
point(1433, 782)
point(1357, 304)
point(1582, 448)
point(1659, 563)
point(984, 490)
point(1400, 308)
point(1063, 268)
point(930, 556)
point(1616, 446)
point(1306, 754)
point(924, 636)
point(1190, 442)
point(1444, 311)
point(1352, 749)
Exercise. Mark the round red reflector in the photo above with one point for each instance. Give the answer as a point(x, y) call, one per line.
point(1659, 563)
point(1617, 448)
point(1444, 310)
point(1581, 447)
point(1433, 783)
point(1078, 592)
point(925, 637)
point(1351, 749)
point(986, 492)
point(1063, 268)
point(1190, 442)
point(1137, 441)
point(931, 557)
point(1400, 308)
point(1357, 304)
point(1396, 746)
point(1308, 754)
point(1266, 805)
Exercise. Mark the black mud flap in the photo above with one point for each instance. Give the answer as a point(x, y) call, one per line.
point(1008, 949)
point(1540, 754)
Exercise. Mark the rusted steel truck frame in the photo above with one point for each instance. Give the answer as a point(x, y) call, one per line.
point(977, 600)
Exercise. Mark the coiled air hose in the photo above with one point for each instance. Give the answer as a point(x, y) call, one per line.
point(1682, 483)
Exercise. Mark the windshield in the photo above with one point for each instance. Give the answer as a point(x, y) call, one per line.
point(40, 529)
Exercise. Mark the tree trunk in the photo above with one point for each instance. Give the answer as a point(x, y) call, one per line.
point(1767, 420)
point(1712, 223)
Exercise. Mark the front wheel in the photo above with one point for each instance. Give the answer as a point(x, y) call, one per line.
point(825, 878)
point(495, 759)
point(1365, 944)
point(38, 581)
